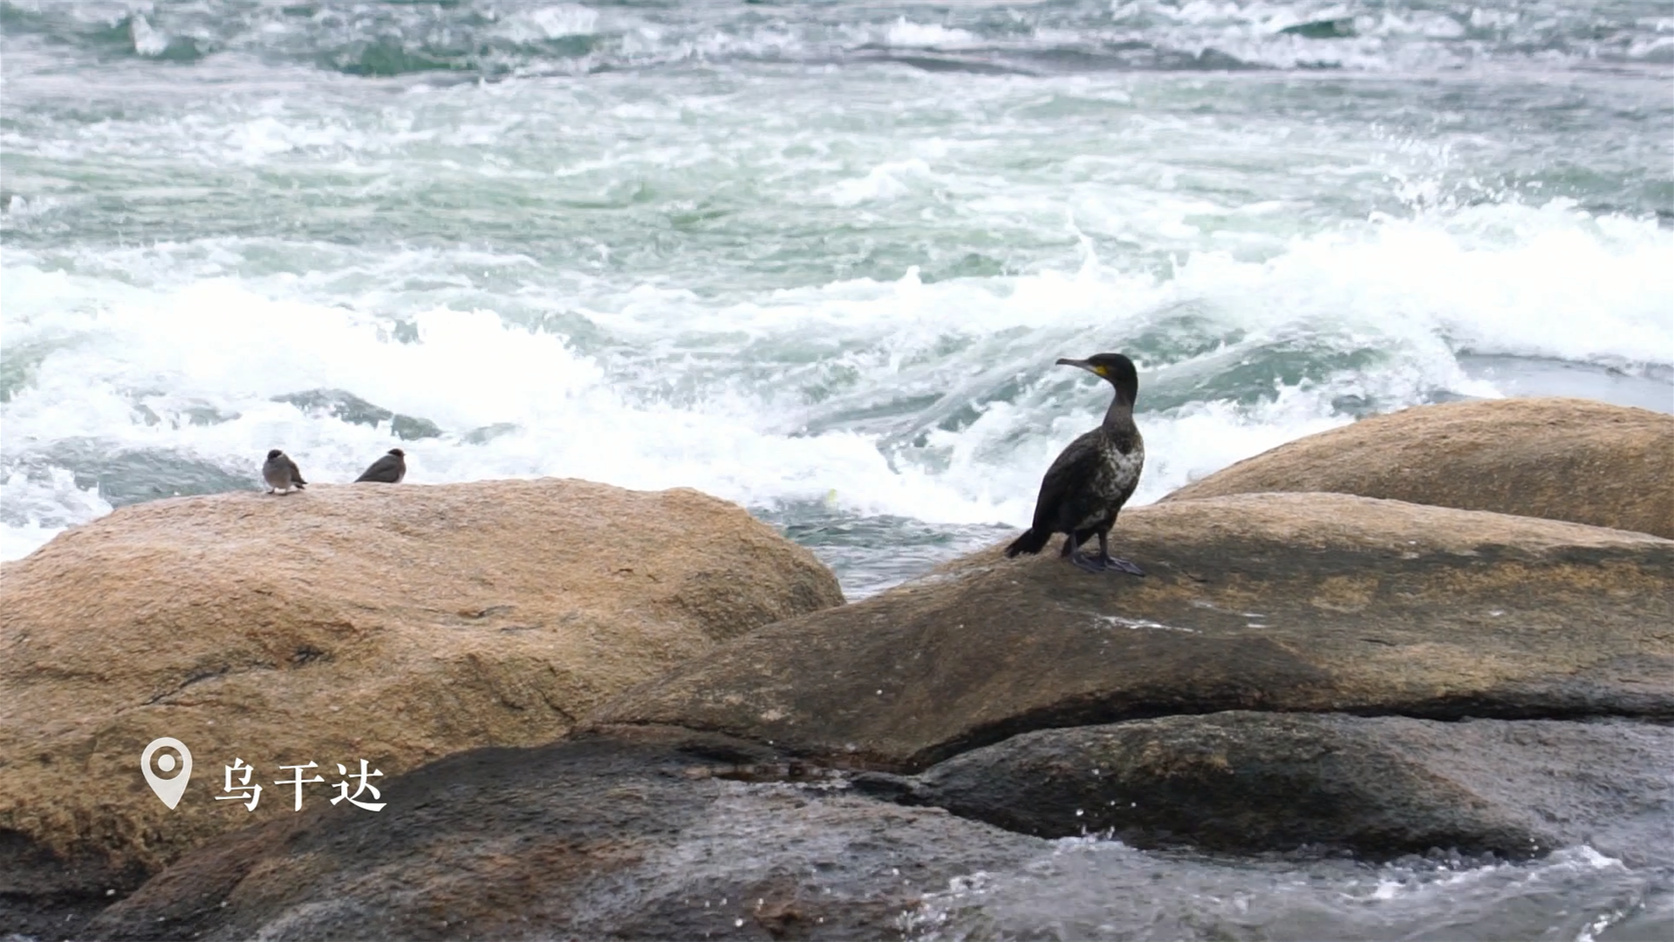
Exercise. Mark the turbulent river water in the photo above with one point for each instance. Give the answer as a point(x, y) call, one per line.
point(819, 258)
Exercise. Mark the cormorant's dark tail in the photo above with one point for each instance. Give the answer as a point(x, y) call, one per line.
point(1032, 541)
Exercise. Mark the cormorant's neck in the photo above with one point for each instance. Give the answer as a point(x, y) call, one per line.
point(1120, 414)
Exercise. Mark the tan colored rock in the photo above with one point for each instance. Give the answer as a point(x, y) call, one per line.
point(1562, 459)
point(393, 624)
point(1294, 602)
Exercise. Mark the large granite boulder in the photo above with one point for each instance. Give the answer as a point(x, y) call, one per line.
point(391, 624)
point(1381, 786)
point(650, 834)
point(1562, 459)
point(1277, 602)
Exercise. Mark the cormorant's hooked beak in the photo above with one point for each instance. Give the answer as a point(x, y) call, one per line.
point(1083, 364)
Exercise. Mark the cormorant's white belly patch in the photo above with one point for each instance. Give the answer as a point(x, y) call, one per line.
point(1117, 476)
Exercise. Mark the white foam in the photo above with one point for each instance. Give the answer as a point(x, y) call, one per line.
point(170, 328)
point(1381, 41)
point(37, 510)
point(881, 183)
point(904, 33)
point(147, 41)
point(553, 22)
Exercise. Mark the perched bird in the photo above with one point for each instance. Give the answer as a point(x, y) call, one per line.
point(281, 473)
point(1093, 477)
point(389, 469)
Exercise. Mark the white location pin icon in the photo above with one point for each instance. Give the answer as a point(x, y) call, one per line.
point(168, 789)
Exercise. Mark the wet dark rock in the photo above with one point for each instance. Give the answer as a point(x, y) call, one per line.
point(649, 833)
point(407, 428)
point(337, 403)
point(348, 407)
point(1378, 786)
point(46, 896)
point(1341, 28)
point(127, 476)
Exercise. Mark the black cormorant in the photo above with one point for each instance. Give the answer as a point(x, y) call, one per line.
point(1093, 477)
point(389, 469)
point(281, 473)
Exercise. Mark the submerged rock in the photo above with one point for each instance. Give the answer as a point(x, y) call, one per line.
point(640, 835)
point(1339, 28)
point(339, 404)
point(1380, 786)
point(344, 405)
point(1562, 459)
point(1288, 602)
point(394, 625)
point(126, 476)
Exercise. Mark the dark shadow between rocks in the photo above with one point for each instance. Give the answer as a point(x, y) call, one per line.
point(45, 896)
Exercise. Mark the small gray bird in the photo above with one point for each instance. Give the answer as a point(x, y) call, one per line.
point(389, 469)
point(281, 473)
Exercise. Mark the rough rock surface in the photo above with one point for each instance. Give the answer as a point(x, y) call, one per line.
point(1562, 459)
point(1380, 786)
point(645, 835)
point(392, 624)
point(1283, 602)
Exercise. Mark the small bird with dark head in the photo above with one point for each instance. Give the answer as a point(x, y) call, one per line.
point(389, 469)
point(1093, 476)
point(281, 473)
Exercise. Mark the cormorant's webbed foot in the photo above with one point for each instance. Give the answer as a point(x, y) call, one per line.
point(1104, 562)
point(1109, 563)
point(1116, 564)
point(1087, 563)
